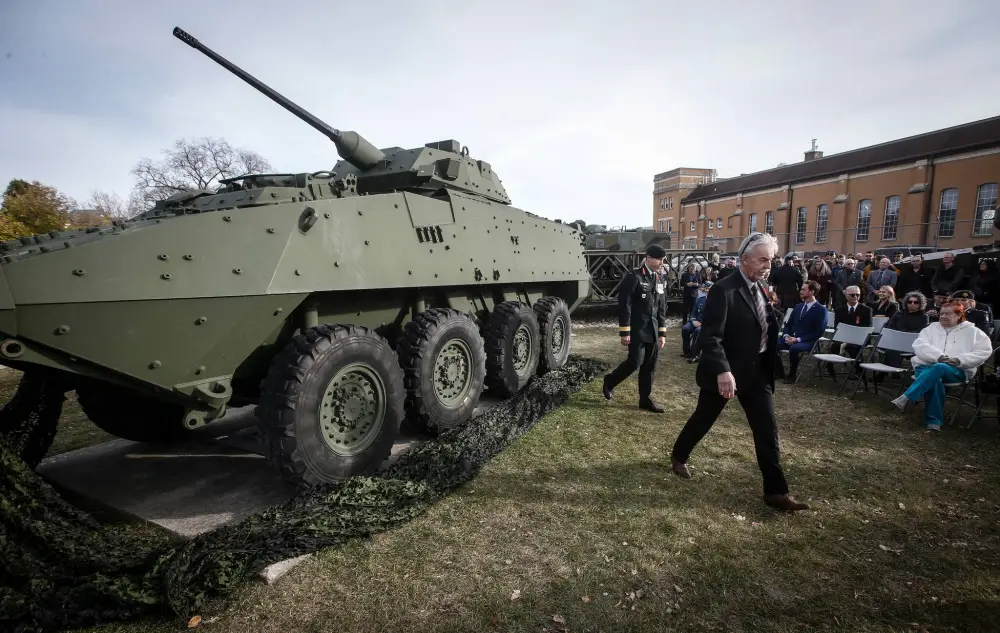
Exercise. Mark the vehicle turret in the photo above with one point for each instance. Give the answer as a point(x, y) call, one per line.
point(426, 170)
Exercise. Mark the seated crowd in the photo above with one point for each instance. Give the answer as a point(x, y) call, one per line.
point(953, 330)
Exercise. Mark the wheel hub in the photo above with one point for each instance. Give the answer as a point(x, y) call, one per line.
point(453, 372)
point(522, 349)
point(558, 335)
point(352, 409)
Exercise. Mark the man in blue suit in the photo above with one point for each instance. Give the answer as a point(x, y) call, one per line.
point(693, 326)
point(806, 325)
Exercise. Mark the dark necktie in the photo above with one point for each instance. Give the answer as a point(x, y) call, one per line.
point(759, 304)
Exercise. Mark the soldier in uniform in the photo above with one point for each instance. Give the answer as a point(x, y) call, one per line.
point(979, 318)
point(642, 320)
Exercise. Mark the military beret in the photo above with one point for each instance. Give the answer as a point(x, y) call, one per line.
point(962, 294)
point(655, 250)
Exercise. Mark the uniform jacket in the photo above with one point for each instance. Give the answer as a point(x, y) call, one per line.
point(642, 306)
point(730, 336)
point(808, 327)
point(698, 311)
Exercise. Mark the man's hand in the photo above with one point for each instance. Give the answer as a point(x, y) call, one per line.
point(791, 339)
point(696, 323)
point(942, 359)
point(954, 362)
point(626, 340)
point(727, 385)
point(662, 341)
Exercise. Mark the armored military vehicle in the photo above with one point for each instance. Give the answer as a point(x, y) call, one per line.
point(401, 283)
point(618, 240)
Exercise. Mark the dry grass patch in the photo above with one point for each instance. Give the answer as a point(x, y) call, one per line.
point(579, 526)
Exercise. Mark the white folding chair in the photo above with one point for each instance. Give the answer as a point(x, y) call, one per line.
point(878, 323)
point(888, 341)
point(845, 335)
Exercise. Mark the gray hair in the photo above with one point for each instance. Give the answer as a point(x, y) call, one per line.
point(849, 260)
point(850, 288)
point(919, 295)
point(754, 241)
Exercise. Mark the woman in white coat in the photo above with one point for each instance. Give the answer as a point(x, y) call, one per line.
point(949, 350)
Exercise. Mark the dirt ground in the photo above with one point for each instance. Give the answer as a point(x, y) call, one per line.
point(580, 526)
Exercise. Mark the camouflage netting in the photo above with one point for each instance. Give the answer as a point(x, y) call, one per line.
point(61, 569)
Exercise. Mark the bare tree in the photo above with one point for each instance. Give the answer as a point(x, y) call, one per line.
point(192, 166)
point(113, 207)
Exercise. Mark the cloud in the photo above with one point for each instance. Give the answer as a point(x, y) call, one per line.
point(576, 105)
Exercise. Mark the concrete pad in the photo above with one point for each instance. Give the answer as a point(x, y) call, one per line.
point(189, 488)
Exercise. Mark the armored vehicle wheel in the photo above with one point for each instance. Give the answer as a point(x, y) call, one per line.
point(132, 416)
point(512, 347)
point(444, 365)
point(331, 404)
point(555, 328)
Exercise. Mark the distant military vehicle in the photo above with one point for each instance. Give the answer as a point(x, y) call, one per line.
point(399, 283)
point(619, 239)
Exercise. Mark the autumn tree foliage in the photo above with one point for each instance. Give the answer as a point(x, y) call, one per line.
point(31, 207)
point(189, 165)
point(194, 165)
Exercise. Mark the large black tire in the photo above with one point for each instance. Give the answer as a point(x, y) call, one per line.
point(512, 348)
point(29, 421)
point(441, 345)
point(556, 329)
point(307, 446)
point(131, 415)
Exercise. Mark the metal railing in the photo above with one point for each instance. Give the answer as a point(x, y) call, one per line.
point(609, 268)
point(854, 239)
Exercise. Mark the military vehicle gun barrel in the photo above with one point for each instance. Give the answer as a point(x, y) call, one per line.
point(351, 146)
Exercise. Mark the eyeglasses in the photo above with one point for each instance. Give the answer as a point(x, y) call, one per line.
point(853, 294)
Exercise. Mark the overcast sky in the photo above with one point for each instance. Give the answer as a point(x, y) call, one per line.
point(576, 105)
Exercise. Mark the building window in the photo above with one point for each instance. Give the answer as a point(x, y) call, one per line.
point(800, 226)
point(711, 224)
point(692, 226)
point(670, 225)
point(822, 219)
point(718, 223)
point(663, 225)
point(891, 223)
point(947, 212)
point(986, 204)
point(864, 220)
point(670, 202)
point(752, 223)
point(769, 222)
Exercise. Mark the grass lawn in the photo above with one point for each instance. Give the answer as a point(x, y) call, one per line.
point(580, 526)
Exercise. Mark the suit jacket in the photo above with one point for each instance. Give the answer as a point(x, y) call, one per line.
point(730, 336)
point(808, 327)
point(642, 306)
point(698, 311)
point(879, 278)
point(862, 316)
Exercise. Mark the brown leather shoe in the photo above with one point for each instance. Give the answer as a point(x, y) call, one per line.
point(784, 502)
point(680, 469)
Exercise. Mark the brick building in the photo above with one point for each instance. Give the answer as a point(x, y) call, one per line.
point(669, 188)
point(938, 189)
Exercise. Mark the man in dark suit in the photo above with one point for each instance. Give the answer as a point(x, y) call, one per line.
point(806, 325)
point(739, 357)
point(642, 321)
point(853, 312)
